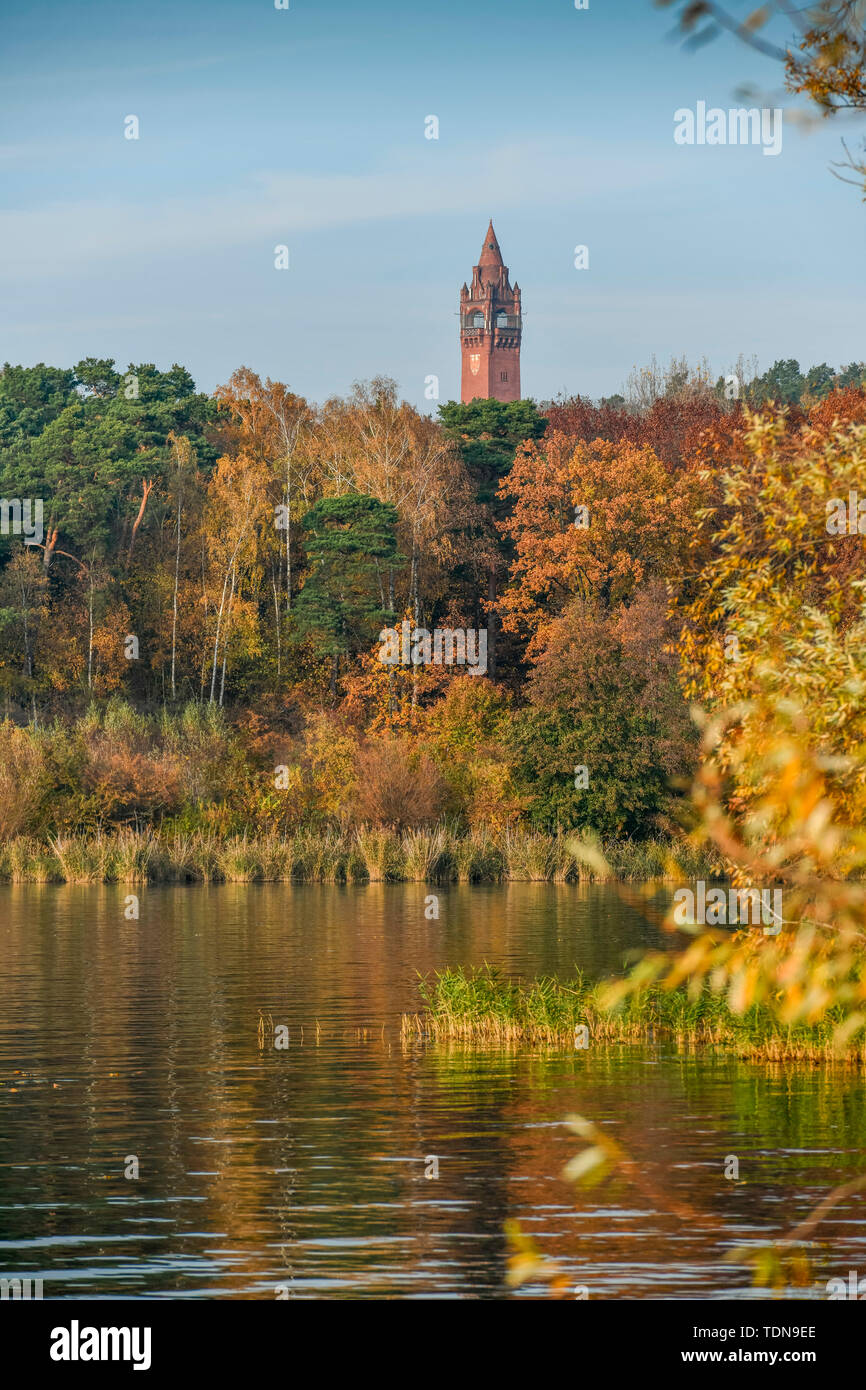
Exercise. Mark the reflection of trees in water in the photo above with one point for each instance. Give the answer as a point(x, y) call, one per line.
point(665, 1219)
point(148, 1030)
point(461, 1103)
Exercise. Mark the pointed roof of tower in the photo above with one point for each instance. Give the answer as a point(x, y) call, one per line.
point(490, 253)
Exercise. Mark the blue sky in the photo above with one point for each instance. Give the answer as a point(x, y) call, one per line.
point(305, 127)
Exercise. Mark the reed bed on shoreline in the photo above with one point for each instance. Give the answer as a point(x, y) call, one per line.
point(362, 855)
point(482, 1008)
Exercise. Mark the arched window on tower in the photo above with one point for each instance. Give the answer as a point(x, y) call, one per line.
point(474, 319)
point(504, 320)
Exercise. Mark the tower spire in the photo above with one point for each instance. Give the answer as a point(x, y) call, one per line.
point(490, 252)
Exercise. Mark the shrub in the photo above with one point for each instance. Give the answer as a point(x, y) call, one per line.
point(467, 738)
point(331, 750)
point(396, 787)
point(22, 780)
point(604, 697)
point(126, 774)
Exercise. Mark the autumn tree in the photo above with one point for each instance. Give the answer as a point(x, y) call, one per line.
point(591, 521)
point(374, 444)
point(275, 428)
point(605, 743)
point(772, 611)
point(235, 526)
point(671, 425)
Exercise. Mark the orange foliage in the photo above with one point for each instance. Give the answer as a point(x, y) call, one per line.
point(397, 787)
point(831, 66)
point(672, 427)
point(380, 697)
point(638, 521)
point(123, 784)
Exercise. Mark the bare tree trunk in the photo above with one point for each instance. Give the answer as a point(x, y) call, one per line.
point(229, 571)
point(413, 595)
point(24, 614)
point(204, 600)
point(146, 489)
point(174, 601)
point(227, 636)
point(90, 640)
point(216, 643)
point(491, 627)
point(277, 623)
point(49, 548)
point(413, 582)
point(28, 655)
point(288, 533)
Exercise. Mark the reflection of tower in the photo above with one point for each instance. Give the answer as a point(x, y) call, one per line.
point(490, 328)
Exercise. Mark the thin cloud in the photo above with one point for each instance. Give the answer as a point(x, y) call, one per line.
point(57, 237)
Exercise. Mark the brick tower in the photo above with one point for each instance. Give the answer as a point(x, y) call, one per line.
point(490, 329)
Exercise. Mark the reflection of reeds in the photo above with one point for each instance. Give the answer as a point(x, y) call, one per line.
point(265, 1028)
point(481, 1007)
point(365, 854)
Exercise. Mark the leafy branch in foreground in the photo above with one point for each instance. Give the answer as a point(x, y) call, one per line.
point(814, 966)
point(776, 1263)
point(824, 58)
point(823, 54)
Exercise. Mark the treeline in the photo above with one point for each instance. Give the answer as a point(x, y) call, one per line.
point(782, 384)
point(785, 383)
point(219, 570)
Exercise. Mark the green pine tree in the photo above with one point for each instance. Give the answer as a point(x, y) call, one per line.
point(351, 544)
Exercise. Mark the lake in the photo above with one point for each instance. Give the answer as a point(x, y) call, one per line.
point(301, 1172)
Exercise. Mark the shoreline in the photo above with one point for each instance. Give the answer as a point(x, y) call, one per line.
point(353, 856)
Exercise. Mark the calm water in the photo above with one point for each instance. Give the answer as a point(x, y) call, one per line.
point(306, 1167)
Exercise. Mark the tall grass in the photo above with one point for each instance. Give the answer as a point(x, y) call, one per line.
point(528, 855)
point(382, 854)
point(479, 857)
point(427, 855)
point(328, 856)
point(481, 1007)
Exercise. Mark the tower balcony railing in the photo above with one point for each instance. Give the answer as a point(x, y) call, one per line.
point(511, 325)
